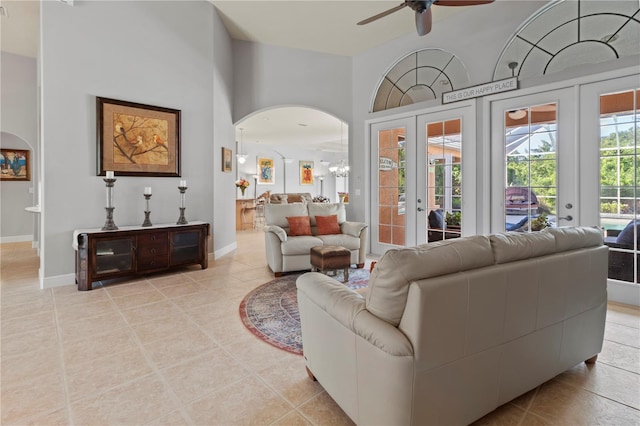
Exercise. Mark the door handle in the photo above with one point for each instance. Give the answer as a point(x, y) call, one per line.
point(567, 217)
point(420, 209)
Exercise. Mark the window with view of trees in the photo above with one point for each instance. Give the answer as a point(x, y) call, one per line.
point(444, 179)
point(531, 163)
point(619, 182)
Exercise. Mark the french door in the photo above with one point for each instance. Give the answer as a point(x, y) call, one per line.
point(610, 125)
point(418, 190)
point(534, 174)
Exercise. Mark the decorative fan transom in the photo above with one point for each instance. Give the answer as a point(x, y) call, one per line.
point(420, 76)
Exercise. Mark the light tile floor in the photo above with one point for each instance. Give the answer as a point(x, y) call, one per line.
point(171, 350)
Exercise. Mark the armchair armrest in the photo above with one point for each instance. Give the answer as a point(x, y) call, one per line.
point(279, 232)
point(353, 228)
point(348, 308)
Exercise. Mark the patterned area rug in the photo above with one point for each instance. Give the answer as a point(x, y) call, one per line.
point(271, 310)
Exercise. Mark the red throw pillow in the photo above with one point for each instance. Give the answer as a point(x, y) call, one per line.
point(299, 225)
point(328, 225)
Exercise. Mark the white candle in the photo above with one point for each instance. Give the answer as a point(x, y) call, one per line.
point(147, 190)
point(183, 183)
point(109, 175)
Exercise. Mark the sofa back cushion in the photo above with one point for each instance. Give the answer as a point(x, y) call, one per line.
point(390, 278)
point(512, 246)
point(327, 209)
point(276, 214)
point(573, 238)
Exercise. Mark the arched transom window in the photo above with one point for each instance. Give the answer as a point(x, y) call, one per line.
point(570, 33)
point(420, 76)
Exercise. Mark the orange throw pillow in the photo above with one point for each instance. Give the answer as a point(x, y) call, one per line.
point(299, 225)
point(328, 225)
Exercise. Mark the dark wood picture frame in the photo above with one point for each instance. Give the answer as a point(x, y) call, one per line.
point(15, 164)
point(136, 139)
point(227, 160)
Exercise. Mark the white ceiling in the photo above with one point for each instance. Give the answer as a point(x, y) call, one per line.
point(19, 30)
point(320, 25)
point(305, 128)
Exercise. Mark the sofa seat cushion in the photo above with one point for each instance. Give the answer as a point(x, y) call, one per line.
point(344, 240)
point(300, 245)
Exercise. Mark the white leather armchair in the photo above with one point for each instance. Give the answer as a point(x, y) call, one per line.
point(287, 253)
point(451, 330)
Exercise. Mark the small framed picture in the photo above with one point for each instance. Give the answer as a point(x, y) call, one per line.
point(266, 171)
point(306, 172)
point(15, 164)
point(227, 159)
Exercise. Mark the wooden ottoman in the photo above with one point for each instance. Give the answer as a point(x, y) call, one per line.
point(331, 258)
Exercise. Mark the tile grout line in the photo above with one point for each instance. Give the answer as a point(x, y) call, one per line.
point(155, 371)
point(65, 380)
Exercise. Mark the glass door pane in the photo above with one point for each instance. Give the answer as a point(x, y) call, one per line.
point(619, 180)
point(531, 168)
point(392, 186)
point(444, 179)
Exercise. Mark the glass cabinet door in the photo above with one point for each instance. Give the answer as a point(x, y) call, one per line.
point(113, 256)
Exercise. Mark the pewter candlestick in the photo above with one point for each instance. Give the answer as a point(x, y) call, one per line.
point(109, 225)
point(182, 220)
point(147, 213)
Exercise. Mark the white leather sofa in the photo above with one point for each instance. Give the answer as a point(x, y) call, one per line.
point(449, 331)
point(287, 253)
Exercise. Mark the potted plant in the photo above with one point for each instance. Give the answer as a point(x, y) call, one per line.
point(540, 222)
point(452, 219)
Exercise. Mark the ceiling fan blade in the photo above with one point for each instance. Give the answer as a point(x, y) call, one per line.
point(423, 22)
point(383, 14)
point(461, 2)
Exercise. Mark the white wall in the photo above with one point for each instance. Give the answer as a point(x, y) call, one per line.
point(268, 76)
point(18, 129)
point(223, 136)
point(157, 53)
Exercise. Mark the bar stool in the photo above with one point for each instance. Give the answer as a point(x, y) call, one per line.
point(258, 217)
point(245, 213)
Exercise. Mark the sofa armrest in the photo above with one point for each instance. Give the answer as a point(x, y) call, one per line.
point(358, 230)
point(279, 232)
point(353, 228)
point(347, 307)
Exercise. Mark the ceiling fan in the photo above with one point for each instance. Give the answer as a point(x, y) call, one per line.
point(423, 11)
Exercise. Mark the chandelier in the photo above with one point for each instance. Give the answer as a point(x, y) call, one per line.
point(242, 158)
point(340, 169)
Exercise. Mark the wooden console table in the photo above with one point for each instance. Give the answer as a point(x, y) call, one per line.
point(131, 250)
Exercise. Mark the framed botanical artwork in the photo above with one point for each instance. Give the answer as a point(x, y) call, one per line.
point(306, 172)
point(266, 172)
point(227, 159)
point(15, 164)
point(136, 139)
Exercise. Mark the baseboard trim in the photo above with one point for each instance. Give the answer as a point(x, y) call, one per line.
point(225, 250)
point(16, 239)
point(623, 292)
point(58, 281)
